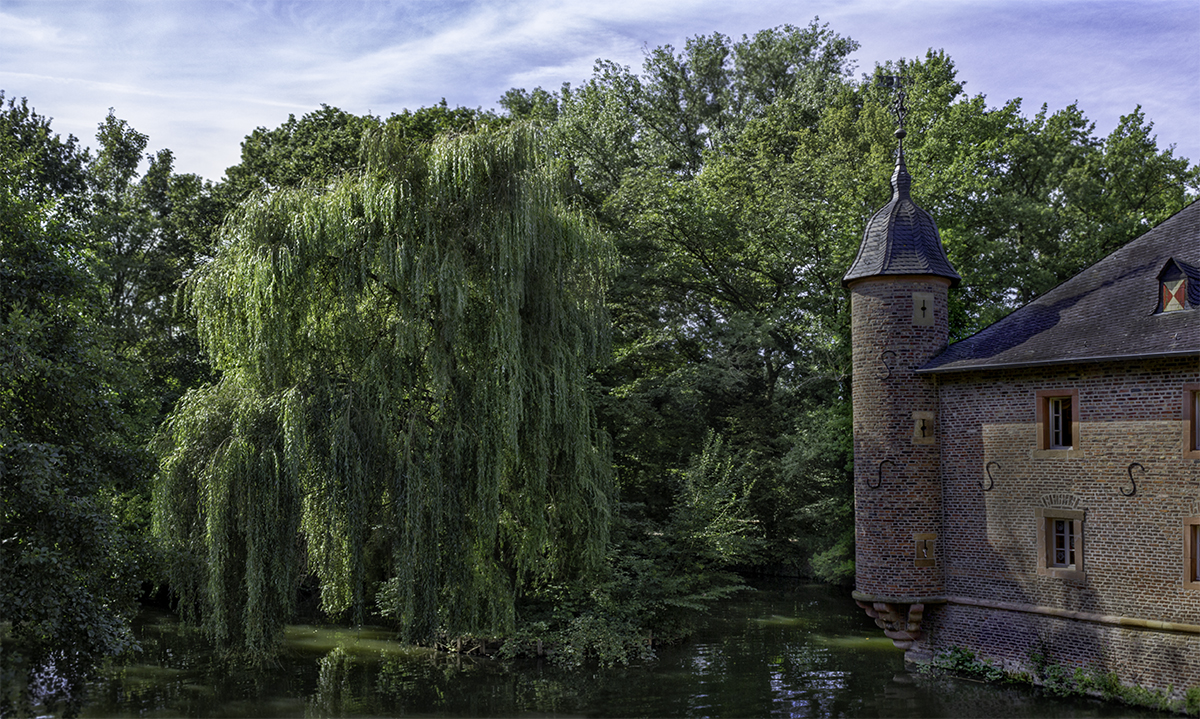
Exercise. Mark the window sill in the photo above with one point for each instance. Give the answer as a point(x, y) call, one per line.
point(1070, 575)
point(1073, 453)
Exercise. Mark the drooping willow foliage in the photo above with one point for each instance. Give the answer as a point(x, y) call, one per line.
point(404, 358)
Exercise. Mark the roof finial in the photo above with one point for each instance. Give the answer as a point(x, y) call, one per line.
point(896, 84)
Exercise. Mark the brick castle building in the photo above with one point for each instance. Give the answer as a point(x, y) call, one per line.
point(1033, 489)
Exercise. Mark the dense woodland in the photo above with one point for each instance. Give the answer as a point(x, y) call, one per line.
point(560, 375)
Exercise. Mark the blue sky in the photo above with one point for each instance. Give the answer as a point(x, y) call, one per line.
point(198, 75)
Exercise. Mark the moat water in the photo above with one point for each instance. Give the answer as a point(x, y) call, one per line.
point(784, 650)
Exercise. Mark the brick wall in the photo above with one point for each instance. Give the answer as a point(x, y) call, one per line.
point(1153, 659)
point(1132, 545)
point(890, 341)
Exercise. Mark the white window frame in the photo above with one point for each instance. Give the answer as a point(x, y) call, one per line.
point(1047, 517)
point(1060, 423)
point(1050, 437)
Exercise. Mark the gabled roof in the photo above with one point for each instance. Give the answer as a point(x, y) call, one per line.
point(1107, 312)
point(901, 238)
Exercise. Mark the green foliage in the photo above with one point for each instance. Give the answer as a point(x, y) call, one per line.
point(539, 105)
point(1056, 679)
point(44, 169)
point(711, 518)
point(422, 126)
point(1060, 681)
point(327, 143)
point(317, 148)
point(835, 564)
point(963, 662)
point(736, 178)
point(403, 359)
point(1108, 684)
point(69, 416)
point(147, 232)
point(726, 305)
point(659, 576)
point(1139, 696)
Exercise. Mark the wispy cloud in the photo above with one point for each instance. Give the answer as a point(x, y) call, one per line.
point(198, 75)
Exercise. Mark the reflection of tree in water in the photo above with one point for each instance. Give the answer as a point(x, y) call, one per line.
point(348, 685)
point(785, 650)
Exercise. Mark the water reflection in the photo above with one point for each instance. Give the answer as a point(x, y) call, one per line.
point(787, 650)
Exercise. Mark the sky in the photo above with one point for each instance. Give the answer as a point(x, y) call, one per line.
point(197, 76)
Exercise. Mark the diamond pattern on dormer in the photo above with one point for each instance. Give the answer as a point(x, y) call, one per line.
point(1174, 295)
point(1178, 286)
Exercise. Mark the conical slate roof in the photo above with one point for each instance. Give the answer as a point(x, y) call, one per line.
point(901, 239)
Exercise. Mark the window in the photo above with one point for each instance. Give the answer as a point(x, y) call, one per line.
point(1191, 553)
point(1057, 424)
point(1062, 554)
point(1195, 546)
point(1060, 543)
point(1060, 423)
point(1191, 421)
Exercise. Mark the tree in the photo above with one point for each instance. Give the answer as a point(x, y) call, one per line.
point(725, 304)
point(402, 401)
point(327, 143)
point(147, 232)
point(736, 178)
point(539, 105)
point(69, 446)
point(318, 147)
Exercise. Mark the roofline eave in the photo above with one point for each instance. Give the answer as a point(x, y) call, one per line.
point(949, 369)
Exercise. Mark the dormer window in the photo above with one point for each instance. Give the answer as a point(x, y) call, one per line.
point(1179, 285)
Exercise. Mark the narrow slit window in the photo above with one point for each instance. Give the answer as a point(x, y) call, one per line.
point(1195, 552)
point(1191, 552)
point(1191, 420)
point(1060, 423)
point(1196, 421)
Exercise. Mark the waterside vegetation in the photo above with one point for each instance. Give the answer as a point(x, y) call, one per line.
point(557, 375)
point(1062, 681)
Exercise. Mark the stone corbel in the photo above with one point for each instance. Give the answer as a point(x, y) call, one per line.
point(900, 622)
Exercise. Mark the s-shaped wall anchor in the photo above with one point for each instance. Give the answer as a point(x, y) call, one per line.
point(1133, 483)
point(990, 481)
point(879, 480)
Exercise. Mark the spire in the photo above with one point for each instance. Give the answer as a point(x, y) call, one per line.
point(901, 238)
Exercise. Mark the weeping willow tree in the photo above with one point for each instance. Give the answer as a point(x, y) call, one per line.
point(404, 358)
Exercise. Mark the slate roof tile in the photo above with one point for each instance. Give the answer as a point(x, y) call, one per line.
point(901, 239)
point(1107, 312)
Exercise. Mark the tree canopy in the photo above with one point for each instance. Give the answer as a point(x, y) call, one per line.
point(553, 373)
point(403, 356)
point(736, 178)
point(69, 421)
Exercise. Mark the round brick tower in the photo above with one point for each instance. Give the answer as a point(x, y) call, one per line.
point(898, 285)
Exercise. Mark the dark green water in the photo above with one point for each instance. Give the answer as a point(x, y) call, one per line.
point(787, 649)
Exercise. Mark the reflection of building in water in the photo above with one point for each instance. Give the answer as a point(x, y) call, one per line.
point(1034, 488)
